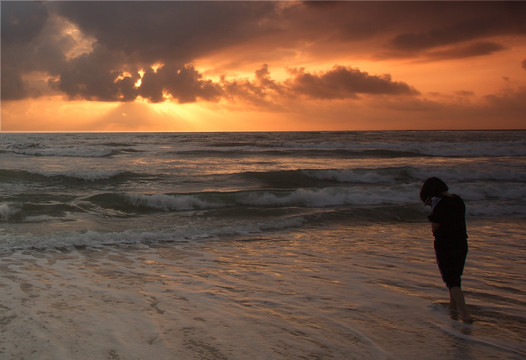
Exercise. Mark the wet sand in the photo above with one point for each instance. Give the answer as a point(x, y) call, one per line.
point(361, 292)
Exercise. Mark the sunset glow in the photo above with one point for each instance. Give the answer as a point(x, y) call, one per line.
point(262, 66)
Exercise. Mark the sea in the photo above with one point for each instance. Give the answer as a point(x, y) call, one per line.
point(256, 245)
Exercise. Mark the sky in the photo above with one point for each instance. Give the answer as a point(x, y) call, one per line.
point(262, 65)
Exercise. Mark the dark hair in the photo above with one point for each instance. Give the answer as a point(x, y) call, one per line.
point(432, 187)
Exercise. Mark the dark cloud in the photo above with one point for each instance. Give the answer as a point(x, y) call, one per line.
point(336, 84)
point(184, 84)
point(12, 85)
point(152, 31)
point(413, 28)
point(457, 22)
point(469, 50)
point(263, 91)
point(343, 82)
point(22, 21)
point(91, 76)
point(130, 36)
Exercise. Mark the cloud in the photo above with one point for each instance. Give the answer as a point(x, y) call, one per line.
point(344, 82)
point(464, 51)
point(184, 84)
point(91, 77)
point(459, 22)
point(509, 102)
point(22, 21)
point(35, 40)
point(150, 31)
point(84, 46)
point(100, 51)
point(524, 64)
point(339, 83)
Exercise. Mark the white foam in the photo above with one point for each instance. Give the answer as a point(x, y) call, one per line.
point(7, 211)
point(183, 230)
point(333, 196)
point(170, 202)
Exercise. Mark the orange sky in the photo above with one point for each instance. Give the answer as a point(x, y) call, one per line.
point(242, 66)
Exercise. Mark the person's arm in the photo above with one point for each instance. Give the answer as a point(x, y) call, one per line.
point(436, 215)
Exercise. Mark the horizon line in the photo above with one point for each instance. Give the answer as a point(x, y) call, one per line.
point(230, 131)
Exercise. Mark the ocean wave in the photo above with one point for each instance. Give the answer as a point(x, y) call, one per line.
point(297, 152)
point(480, 191)
point(209, 227)
point(66, 152)
point(81, 239)
point(319, 177)
point(7, 175)
point(490, 148)
point(388, 176)
point(190, 231)
point(309, 198)
point(198, 228)
point(498, 209)
point(7, 211)
point(132, 203)
point(343, 145)
point(29, 208)
point(476, 149)
point(481, 201)
point(303, 197)
point(64, 145)
point(358, 150)
point(490, 174)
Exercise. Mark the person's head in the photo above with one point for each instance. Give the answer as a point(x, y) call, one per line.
point(432, 187)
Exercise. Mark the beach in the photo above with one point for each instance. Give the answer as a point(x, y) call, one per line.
point(301, 246)
point(314, 294)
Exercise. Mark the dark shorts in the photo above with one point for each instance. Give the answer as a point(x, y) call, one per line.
point(451, 257)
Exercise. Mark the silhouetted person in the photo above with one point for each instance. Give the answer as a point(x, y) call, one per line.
point(448, 224)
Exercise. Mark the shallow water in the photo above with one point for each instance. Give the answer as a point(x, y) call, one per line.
point(357, 292)
point(255, 246)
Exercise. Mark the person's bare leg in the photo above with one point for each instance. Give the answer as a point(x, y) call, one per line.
point(453, 313)
point(457, 296)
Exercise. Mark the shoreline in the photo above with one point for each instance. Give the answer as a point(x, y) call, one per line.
point(306, 293)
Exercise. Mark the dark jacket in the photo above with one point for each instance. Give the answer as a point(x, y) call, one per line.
point(449, 212)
